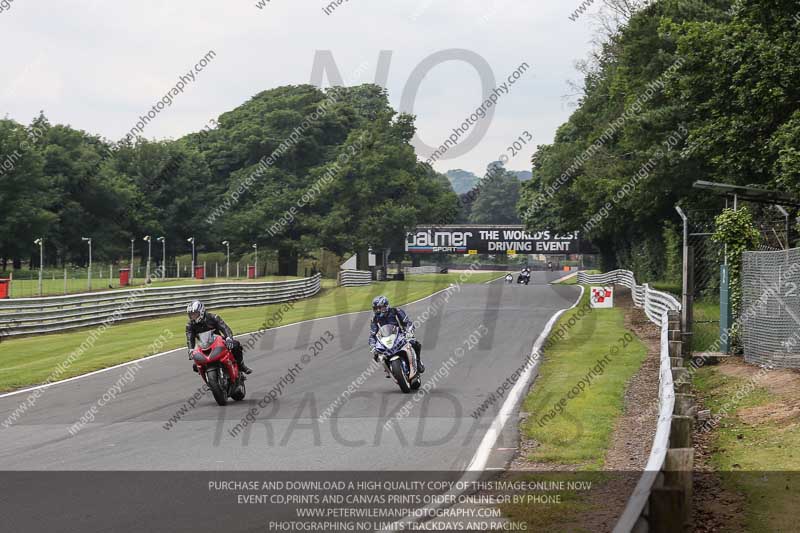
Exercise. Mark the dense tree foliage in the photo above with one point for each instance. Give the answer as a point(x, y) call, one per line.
point(497, 197)
point(294, 169)
point(491, 199)
point(685, 90)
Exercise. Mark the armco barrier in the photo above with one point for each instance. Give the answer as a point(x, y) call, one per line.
point(354, 278)
point(25, 316)
point(661, 500)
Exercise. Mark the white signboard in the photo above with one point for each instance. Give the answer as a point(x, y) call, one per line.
point(602, 297)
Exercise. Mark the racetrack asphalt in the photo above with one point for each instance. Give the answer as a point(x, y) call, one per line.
point(495, 326)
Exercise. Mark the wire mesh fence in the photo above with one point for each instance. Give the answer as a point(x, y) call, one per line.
point(709, 257)
point(770, 318)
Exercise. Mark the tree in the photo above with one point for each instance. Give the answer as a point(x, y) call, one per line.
point(684, 90)
point(87, 199)
point(23, 194)
point(736, 233)
point(330, 169)
point(497, 198)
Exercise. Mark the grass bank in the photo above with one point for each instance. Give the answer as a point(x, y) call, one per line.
point(475, 276)
point(706, 324)
point(754, 438)
point(28, 361)
point(574, 405)
point(574, 279)
point(573, 426)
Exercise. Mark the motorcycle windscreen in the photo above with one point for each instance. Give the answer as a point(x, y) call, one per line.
point(206, 339)
point(387, 335)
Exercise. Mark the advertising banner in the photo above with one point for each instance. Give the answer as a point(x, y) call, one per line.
point(509, 240)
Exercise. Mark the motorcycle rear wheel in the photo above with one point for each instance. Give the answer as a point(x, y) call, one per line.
point(214, 379)
point(400, 375)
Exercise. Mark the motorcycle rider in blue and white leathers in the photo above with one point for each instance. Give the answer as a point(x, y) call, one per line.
point(383, 314)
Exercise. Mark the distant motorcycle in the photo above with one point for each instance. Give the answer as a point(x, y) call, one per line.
point(509, 279)
point(524, 277)
point(398, 356)
point(218, 368)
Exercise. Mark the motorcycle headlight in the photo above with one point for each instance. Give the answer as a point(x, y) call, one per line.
point(387, 342)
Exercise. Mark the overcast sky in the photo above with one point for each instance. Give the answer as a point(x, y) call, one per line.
point(99, 65)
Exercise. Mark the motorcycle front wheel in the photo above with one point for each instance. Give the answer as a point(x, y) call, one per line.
point(214, 379)
point(240, 392)
point(400, 375)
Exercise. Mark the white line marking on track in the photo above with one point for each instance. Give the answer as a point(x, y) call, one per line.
point(493, 280)
point(481, 456)
point(478, 464)
point(564, 278)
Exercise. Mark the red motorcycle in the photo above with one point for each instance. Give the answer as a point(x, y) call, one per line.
point(218, 368)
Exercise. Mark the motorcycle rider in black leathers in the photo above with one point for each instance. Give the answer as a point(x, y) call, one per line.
point(383, 314)
point(201, 321)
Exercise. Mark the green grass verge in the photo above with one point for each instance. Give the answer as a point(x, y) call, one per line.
point(574, 280)
point(766, 446)
point(580, 434)
point(554, 517)
point(674, 287)
point(706, 324)
point(471, 276)
point(28, 361)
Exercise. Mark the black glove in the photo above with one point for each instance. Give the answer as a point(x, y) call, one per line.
point(230, 343)
point(190, 353)
point(375, 355)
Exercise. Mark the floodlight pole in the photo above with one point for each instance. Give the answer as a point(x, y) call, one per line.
point(785, 214)
point(191, 240)
point(228, 261)
point(149, 242)
point(40, 242)
point(89, 240)
point(687, 295)
point(255, 247)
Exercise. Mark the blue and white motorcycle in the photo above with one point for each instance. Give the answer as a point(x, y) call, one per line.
point(399, 357)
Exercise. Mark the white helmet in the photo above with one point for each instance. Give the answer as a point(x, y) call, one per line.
point(196, 311)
